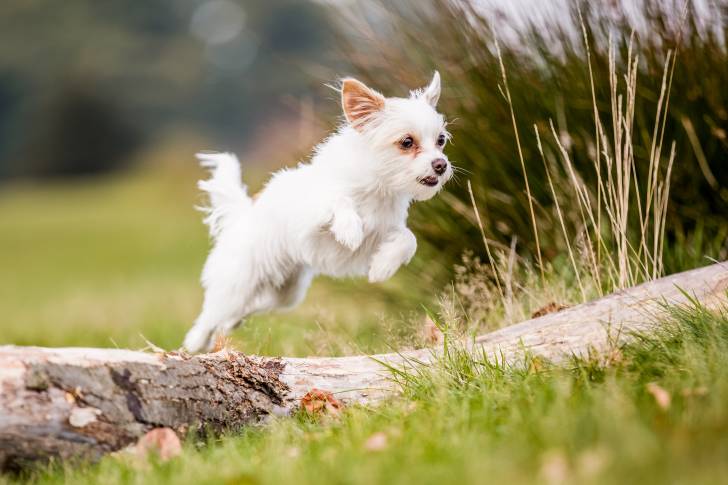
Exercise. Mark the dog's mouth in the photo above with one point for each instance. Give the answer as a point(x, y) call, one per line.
point(430, 180)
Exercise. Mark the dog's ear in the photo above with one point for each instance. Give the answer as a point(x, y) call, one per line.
point(431, 93)
point(359, 102)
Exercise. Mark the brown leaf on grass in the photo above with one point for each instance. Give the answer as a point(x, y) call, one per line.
point(552, 307)
point(376, 442)
point(317, 401)
point(431, 334)
point(662, 397)
point(162, 441)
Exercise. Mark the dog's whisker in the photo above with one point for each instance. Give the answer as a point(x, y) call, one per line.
point(461, 170)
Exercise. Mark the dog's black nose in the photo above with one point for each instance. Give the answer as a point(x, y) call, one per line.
point(439, 165)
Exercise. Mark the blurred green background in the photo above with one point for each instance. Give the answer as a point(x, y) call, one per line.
point(103, 104)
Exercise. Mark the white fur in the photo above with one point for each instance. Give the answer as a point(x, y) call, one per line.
point(343, 214)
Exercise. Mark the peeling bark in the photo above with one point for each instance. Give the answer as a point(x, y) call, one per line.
point(82, 403)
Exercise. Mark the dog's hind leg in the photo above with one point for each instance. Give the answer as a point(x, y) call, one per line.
point(269, 298)
point(226, 306)
point(294, 289)
point(230, 278)
point(221, 311)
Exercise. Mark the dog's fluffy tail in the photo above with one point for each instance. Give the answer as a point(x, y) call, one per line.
point(227, 193)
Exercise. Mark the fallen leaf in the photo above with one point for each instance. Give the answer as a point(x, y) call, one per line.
point(552, 307)
point(162, 441)
point(376, 442)
point(317, 401)
point(662, 397)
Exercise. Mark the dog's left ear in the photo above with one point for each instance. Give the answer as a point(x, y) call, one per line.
point(359, 102)
point(431, 94)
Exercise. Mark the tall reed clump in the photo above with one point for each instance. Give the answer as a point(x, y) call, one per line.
point(571, 132)
point(618, 238)
point(614, 249)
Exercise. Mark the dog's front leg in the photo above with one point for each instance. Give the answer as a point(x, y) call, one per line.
point(397, 249)
point(346, 225)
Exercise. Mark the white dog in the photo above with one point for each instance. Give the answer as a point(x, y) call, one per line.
point(342, 214)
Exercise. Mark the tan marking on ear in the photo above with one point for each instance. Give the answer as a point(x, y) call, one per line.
point(359, 102)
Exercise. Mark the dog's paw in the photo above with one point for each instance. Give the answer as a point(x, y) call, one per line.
point(348, 229)
point(197, 340)
point(381, 270)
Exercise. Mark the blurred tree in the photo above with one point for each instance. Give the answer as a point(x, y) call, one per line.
point(221, 66)
point(77, 132)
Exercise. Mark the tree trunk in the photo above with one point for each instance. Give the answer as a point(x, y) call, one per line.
point(76, 402)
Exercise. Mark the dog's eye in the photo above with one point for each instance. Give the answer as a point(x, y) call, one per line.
point(407, 143)
point(441, 140)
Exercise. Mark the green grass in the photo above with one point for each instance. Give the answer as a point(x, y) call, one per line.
point(471, 421)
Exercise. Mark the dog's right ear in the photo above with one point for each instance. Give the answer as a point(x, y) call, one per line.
point(359, 102)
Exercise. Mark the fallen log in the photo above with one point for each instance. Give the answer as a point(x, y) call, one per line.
point(82, 403)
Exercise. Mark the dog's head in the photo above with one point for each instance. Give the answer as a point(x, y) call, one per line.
point(407, 136)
